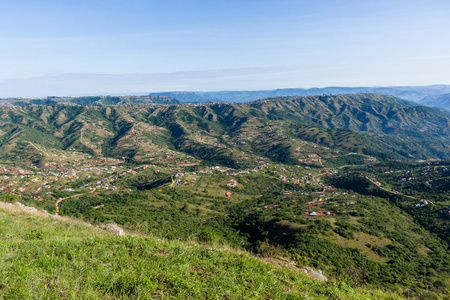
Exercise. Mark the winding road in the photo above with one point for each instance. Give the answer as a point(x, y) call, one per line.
point(398, 193)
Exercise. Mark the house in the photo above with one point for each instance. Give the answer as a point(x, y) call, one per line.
point(313, 213)
point(422, 203)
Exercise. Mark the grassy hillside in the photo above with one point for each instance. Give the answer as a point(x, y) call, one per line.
point(410, 130)
point(47, 258)
point(364, 112)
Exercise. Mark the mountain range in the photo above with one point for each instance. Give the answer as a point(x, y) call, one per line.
point(383, 126)
point(436, 96)
point(416, 94)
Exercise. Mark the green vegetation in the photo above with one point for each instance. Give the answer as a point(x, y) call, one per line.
point(233, 134)
point(331, 182)
point(365, 239)
point(45, 258)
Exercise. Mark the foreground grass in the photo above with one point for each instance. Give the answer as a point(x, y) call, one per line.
point(45, 258)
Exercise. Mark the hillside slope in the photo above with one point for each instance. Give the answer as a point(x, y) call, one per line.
point(364, 112)
point(47, 258)
point(89, 100)
point(414, 131)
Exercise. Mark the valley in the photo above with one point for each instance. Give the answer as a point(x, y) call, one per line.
point(337, 183)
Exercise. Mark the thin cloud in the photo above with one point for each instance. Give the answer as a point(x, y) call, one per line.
point(85, 84)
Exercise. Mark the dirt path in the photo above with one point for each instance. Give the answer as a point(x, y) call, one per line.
point(320, 161)
point(334, 156)
point(73, 196)
point(398, 193)
point(351, 153)
point(46, 154)
point(314, 179)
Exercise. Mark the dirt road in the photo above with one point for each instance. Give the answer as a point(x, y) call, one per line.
point(73, 196)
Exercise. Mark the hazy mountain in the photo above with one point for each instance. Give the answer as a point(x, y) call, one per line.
point(440, 101)
point(90, 100)
point(188, 96)
point(411, 93)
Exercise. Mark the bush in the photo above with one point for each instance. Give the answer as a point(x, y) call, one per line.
point(10, 198)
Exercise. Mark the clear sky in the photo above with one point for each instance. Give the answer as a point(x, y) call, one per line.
point(62, 47)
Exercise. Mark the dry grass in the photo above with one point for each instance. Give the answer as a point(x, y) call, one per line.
point(360, 241)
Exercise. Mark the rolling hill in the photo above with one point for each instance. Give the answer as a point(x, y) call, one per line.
point(221, 132)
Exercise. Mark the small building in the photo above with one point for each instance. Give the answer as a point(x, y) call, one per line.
point(422, 203)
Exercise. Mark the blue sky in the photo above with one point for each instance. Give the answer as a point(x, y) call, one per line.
point(124, 47)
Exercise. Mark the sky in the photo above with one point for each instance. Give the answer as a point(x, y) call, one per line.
point(93, 47)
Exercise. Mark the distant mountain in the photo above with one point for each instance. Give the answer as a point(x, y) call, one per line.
point(188, 97)
point(410, 93)
point(90, 100)
point(440, 101)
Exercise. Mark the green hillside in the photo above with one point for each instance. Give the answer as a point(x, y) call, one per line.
point(384, 127)
point(369, 236)
point(397, 124)
point(48, 258)
point(337, 183)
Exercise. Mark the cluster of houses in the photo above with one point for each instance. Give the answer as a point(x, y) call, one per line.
point(37, 181)
point(407, 176)
point(311, 158)
point(318, 213)
point(445, 211)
